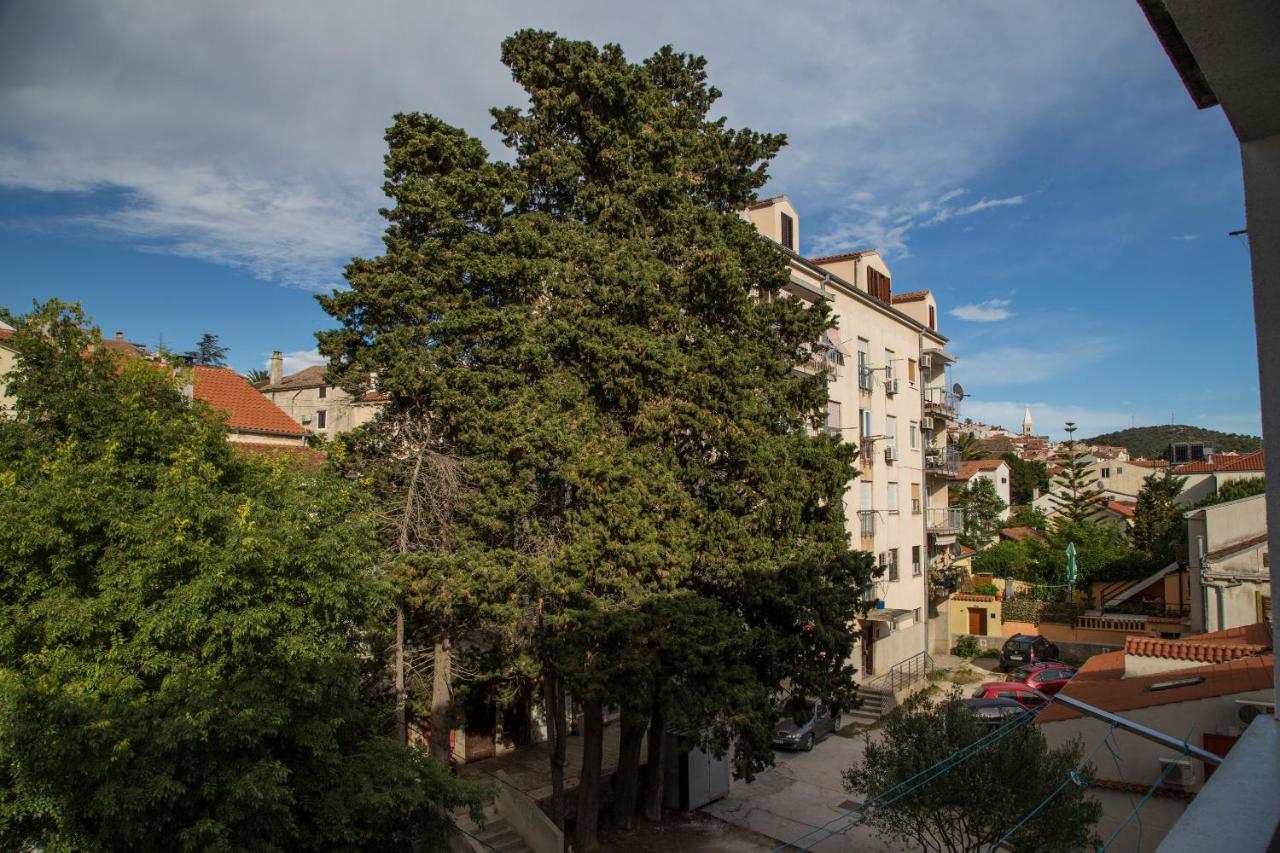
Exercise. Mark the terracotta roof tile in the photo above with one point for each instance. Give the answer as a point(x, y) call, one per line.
point(972, 467)
point(1017, 534)
point(843, 256)
point(1149, 463)
point(1120, 508)
point(1223, 462)
point(308, 377)
point(1236, 547)
point(972, 596)
point(247, 409)
point(912, 296)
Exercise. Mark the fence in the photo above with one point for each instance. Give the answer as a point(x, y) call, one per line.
point(904, 674)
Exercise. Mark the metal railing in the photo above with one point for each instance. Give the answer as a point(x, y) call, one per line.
point(945, 519)
point(902, 675)
point(942, 460)
point(940, 401)
point(867, 521)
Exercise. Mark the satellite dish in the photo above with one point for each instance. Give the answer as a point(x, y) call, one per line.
point(958, 390)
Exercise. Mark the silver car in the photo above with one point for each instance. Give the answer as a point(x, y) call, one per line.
point(792, 735)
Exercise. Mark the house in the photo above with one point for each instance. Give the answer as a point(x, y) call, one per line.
point(1020, 534)
point(312, 401)
point(253, 420)
point(890, 391)
point(995, 470)
point(1206, 476)
point(1122, 479)
point(1204, 687)
point(1229, 564)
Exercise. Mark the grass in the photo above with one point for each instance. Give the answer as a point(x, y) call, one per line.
point(966, 676)
point(937, 674)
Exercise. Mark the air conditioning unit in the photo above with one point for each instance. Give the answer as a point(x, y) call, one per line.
point(1183, 773)
point(891, 454)
point(926, 423)
point(891, 386)
point(926, 361)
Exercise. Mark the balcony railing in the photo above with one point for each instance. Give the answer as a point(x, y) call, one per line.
point(941, 402)
point(867, 521)
point(942, 460)
point(945, 519)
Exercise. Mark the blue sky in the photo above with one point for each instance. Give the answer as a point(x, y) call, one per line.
point(1040, 168)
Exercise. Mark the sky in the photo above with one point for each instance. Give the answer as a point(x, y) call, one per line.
point(182, 168)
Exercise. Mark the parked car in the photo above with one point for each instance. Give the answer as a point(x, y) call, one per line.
point(803, 735)
point(1027, 697)
point(995, 712)
point(1026, 648)
point(1047, 677)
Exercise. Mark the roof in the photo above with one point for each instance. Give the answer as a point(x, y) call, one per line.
point(972, 467)
point(308, 377)
point(1119, 508)
point(1017, 534)
point(1223, 462)
point(966, 551)
point(913, 296)
point(972, 596)
point(247, 409)
point(1149, 463)
point(1235, 663)
point(1236, 547)
point(843, 256)
point(765, 202)
point(1171, 791)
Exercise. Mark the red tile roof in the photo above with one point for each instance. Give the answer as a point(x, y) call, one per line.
point(247, 409)
point(972, 467)
point(843, 256)
point(1236, 547)
point(5, 334)
point(308, 377)
point(1149, 463)
point(913, 296)
point(1017, 534)
point(1120, 508)
point(1214, 647)
point(1223, 462)
point(972, 596)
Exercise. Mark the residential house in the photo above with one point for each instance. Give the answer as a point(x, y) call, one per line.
point(313, 402)
point(995, 470)
point(889, 392)
point(1206, 476)
point(1229, 564)
point(1202, 687)
point(253, 420)
point(8, 358)
point(1122, 479)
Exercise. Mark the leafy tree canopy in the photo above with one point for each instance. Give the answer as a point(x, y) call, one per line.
point(1025, 516)
point(1152, 442)
point(1233, 490)
point(1025, 478)
point(208, 352)
point(972, 806)
point(982, 507)
point(186, 631)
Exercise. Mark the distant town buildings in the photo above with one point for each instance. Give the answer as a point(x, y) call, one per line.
point(311, 400)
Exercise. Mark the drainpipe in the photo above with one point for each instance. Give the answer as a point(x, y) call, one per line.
point(924, 492)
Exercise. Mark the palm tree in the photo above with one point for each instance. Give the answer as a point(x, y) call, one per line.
point(256, 376)
point(968, 447)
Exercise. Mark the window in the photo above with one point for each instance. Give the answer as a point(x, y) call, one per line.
point(1119, 469)
point(891, 497)
point(864, 364)
point(788, 232)
point(888, 364)
point(893, 564)
point(1004, 480)
point(865, 417)
point(916, 614)
point(323, 392)
point(321, 418)
point(911, 371)
point(1106, 472)
point(878, 284)
point(915, 499)
point(933, 318)
point(913, 430)
point(864, 495)
point(833, 417)
point(915, 568)
point(891, 431)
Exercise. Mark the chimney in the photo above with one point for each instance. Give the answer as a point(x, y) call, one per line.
point(277, 367)
point(119, 336)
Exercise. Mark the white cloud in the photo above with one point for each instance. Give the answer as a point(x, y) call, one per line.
point(1186, 238)
point(990, 311)
point(250, 134)
point(1025, 365)
point(1050, 418)
point(299, 360)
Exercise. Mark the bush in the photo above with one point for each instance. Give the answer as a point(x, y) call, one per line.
point(966, 647)
point(986, 589)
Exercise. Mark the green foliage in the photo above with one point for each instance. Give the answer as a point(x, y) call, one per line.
point(208, 352)
point(581, 325)
point(1025, 478)
point(253, 377)
point(1157, 520)
point(1153, 442)
point(1027, 609)
point(972, 805)
point(1234, 490)
point(1025, 516)
point(1006, 560)
point(1073, 496)
point(187, 633)
point(965, 647)
point(1102, 553)
point(968, 446)
point(985, 589)
point(982, 507)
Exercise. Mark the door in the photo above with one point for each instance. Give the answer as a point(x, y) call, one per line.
point(482, 724)
point(978, 621)
point(868, 656)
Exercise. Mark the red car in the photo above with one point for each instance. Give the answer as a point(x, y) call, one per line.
point(1027, 697)
point(1046, 677)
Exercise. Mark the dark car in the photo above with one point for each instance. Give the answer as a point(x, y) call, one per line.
point(803, 735)
point(1027, 697)
point(1046, 677)
point(1026, 648)
point(995, 712)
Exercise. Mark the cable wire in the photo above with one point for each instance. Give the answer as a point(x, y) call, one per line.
point(1164, 774)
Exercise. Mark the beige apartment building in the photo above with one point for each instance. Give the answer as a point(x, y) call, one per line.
point(889, 392)
point(1230, 564)
point(322, 408)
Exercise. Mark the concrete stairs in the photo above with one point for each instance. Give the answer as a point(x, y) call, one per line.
point(497, 833)
point(876, 702)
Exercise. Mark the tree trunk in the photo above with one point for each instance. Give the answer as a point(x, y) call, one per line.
point(656, 768)
point(441, 698)
point(626, 781)
point(588, 813)
point(553, 702)
point(402, 720)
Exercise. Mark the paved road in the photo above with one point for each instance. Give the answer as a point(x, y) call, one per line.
point(803, 791)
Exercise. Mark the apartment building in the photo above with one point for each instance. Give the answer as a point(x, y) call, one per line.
point(308, 397)
point(890, 393)
point(1230, 564)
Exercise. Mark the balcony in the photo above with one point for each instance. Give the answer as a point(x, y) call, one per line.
point(945, 519)
point(867, 522)
point(941, 403)
point(943, 461)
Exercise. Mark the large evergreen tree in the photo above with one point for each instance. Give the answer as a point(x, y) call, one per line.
point(594, 332)
point(1074, 498)
point(184, 628)
point(982, 507)
point(1157, 520)
point(1026, 478)
point(208, 352)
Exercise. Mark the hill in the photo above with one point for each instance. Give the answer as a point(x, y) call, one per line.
point(1151, 442)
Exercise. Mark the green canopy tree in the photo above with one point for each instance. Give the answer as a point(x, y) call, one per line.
point(1025, 479)
point(189, 635)
point(596, 333)
point(982, 507)
point(973, 805)
point(1157, 520)
point(1073, 496)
